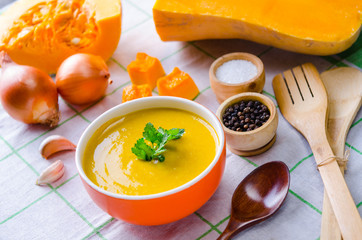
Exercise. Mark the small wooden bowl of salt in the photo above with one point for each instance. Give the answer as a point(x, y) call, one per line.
point(235, 73)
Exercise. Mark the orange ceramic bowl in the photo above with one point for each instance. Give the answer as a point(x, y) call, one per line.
point(164, 207)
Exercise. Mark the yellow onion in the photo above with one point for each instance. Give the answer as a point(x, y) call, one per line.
point(27, 93)
point(82, 78)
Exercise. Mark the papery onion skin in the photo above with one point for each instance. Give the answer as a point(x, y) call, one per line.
point(28, 94)
point(82, 79)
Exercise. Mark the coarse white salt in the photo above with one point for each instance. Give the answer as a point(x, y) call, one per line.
point(236, 71)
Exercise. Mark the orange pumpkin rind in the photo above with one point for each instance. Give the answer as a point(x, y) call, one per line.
point(308, 26)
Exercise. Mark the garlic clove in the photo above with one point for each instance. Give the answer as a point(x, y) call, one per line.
point(53, 144)
point(51, 173)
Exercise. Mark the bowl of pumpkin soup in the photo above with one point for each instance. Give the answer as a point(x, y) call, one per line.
point(152, 161)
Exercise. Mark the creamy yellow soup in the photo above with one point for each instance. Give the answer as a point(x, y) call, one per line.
point(110, 163)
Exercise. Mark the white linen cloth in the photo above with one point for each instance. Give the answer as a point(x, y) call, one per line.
point(66, 211)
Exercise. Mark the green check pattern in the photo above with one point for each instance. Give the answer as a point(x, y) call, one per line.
point(63, 210)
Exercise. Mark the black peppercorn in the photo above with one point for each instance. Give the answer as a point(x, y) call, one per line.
point(245, 115)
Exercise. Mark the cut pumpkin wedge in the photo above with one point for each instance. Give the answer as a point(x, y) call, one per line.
point(320, 27)
point(42, 33)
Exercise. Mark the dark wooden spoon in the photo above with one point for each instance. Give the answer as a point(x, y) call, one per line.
point(257, 197)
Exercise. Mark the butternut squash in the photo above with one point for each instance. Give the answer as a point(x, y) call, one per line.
point(42, 33)
point(306, 26)
point(136, 91)
point(145, 70)
point(177, 84)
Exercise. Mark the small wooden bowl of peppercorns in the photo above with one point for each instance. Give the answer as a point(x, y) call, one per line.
point(250, 122)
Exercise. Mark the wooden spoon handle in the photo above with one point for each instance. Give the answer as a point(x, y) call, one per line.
point(330, 229)
point(340, 198)
point(225, 235)
point(234, 227)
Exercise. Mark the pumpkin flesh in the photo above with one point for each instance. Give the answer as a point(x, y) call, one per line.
point(145, 70)
point(43, 33)
point(177, 84)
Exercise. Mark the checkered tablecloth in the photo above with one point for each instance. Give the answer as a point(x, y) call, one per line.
point(65, 211)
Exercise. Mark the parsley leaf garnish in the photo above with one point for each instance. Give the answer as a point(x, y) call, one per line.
point(156, 141)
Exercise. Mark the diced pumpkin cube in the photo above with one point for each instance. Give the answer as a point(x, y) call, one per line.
point(145, 70)
point(178, 84)
point(136, 91)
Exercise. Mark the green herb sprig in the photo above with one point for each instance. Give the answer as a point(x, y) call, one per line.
point(158, 139)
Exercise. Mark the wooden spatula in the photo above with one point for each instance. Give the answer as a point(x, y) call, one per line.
point(344, 88)
point(302, 100)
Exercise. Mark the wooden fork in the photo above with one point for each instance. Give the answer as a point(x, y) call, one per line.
point(302, 99)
